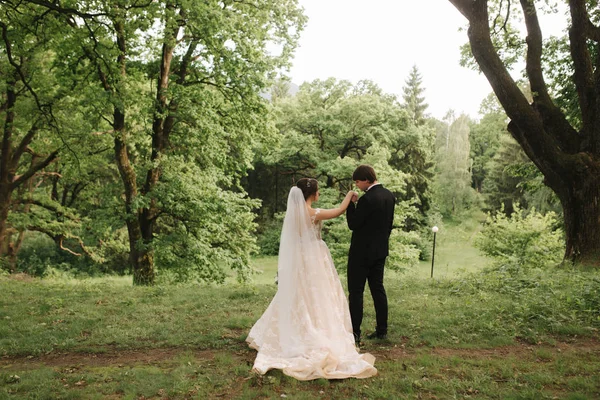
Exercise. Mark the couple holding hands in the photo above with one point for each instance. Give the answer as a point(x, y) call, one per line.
point(309, 330)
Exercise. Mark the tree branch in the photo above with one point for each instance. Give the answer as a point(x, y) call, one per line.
point(582, 62)
point(33, 169)
point(62, 247)
point(465, 7)
point(527, 126)
point(554, 120)
point(23, 146)
point(55, 6)
point(16, 66)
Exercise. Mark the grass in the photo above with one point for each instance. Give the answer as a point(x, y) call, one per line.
point(266, 268)
point(454, 251)
point(448, 338)
point(460, 335)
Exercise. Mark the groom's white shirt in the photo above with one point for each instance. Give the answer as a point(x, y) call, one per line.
point(369, 188)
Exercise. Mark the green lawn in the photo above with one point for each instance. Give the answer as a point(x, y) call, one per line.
point(454, 251)
point(535, 337)
point(461, 335)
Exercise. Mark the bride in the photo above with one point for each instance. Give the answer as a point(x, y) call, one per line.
point(306, 330)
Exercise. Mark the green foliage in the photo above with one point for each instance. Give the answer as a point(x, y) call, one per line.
point(542, 301)
point(414, 101)
point(268, 239)
point(503, 187)
point(95, 68)
point(521, 241)
point(558, 67)
point(413, 154)
point(204, 229)
point(452, 186)
point(40, 256)
point(37, 255)
point(325, 131)
point(484, 139)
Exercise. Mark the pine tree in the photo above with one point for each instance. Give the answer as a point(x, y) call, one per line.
point(414, 101)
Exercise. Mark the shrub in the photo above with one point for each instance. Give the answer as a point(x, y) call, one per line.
point(40, 256)
point(268, 239)
point(518, 241)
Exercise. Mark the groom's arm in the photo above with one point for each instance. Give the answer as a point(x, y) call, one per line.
point(356, 215)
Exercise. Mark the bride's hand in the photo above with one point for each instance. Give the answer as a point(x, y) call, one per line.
point(353, 196)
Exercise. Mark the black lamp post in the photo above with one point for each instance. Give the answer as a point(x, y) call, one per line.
point(434, 230)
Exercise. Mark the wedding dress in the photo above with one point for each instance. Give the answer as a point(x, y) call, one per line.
point(306, 330)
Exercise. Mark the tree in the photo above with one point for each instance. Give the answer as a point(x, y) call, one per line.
point(567, 156)
point(31, 97)
point(484, 139)
point(414, 101)
point(176, 85)
point(453, 178)
point(503, 188)
point(325, 131)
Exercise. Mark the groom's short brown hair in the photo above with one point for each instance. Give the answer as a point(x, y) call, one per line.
point(364, 173)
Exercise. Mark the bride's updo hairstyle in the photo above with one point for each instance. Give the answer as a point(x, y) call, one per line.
point(309, 186)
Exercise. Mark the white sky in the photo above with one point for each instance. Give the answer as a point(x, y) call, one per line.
point(381, 40)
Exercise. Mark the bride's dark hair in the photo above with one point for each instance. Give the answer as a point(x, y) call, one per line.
point(309, 186)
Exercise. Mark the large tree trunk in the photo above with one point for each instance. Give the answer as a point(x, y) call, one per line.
point(5, 196)
point(5, 173)
point(140, 252)
point(581, 207)
point(569, 160)
point(141, 258)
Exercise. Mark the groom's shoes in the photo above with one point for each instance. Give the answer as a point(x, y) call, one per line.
point(357, 341)
point(377, 335)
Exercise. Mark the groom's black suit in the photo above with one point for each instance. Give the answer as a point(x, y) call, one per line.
point(371, 224)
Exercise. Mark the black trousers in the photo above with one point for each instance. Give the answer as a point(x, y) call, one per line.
point(360, 272)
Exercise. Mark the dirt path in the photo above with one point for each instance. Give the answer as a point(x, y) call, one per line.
point(120, 358)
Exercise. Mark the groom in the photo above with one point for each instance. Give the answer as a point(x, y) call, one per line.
point(371, 224)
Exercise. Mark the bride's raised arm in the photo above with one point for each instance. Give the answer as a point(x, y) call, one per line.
point(335, 212)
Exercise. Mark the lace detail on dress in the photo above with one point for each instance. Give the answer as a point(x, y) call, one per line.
point(317, 225)
point(313, 218)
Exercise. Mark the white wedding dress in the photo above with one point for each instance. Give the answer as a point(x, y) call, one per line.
point(306, 330)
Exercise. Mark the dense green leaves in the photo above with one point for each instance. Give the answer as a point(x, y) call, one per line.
point(325, 132)
point(453, 179)
point(522, 241)
point(164, 99)
point(414, 100)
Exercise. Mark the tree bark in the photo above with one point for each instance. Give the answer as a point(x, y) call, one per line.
point(141, 258)
point(10, 157)
point(5, 156)
point(569, 160)
point(582, 219)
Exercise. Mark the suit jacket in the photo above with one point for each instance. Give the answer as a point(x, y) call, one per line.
point(371, 224)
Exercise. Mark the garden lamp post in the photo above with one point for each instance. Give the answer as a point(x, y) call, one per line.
point(434, 230)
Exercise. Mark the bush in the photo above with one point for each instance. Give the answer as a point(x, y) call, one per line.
point(37, 254)
point(519, 241)
point(268, 239)
point(40, 256)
